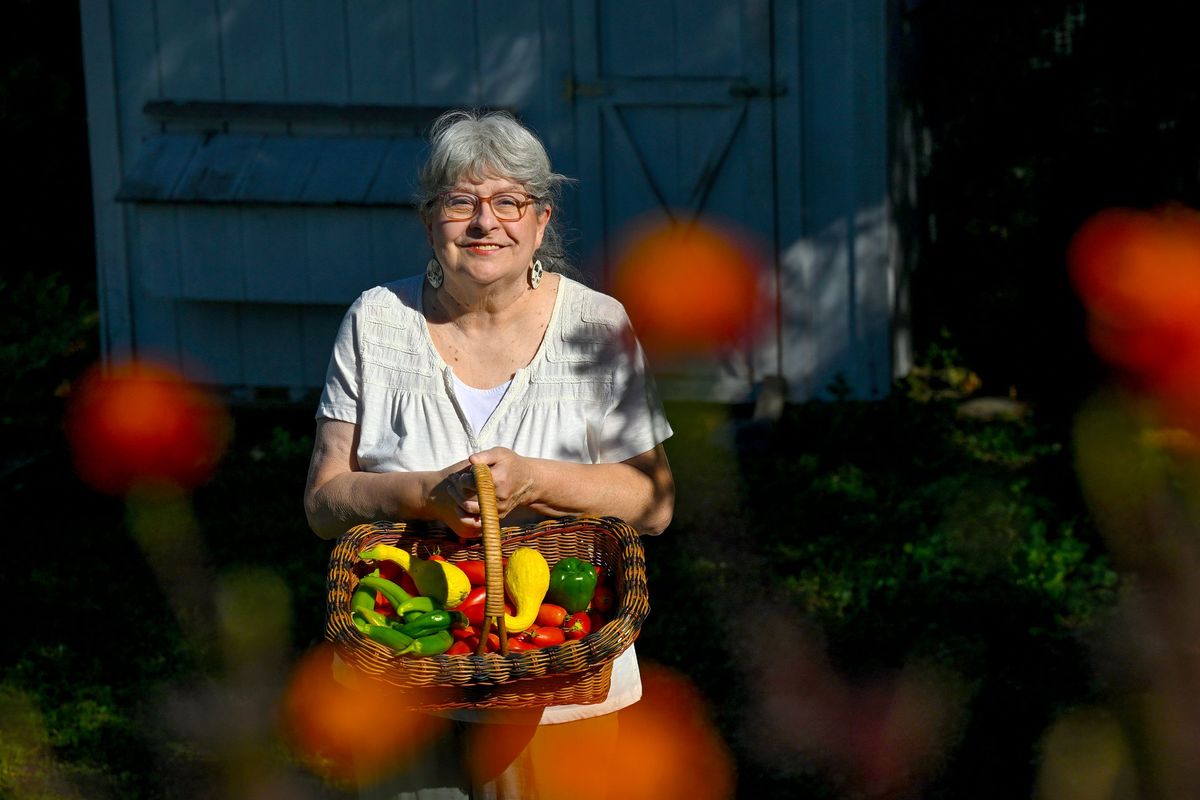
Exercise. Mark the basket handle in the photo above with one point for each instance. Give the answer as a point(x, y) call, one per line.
point(493, 563)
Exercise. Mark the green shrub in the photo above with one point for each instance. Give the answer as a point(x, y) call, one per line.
point(908, 534)
point(47, 338)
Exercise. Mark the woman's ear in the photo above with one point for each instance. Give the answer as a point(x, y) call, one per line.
point(427, 224)
point(543, 221)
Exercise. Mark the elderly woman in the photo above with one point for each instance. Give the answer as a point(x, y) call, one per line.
point(492, 356)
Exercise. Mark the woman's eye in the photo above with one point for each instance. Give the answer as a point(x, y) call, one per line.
point(507, 201)
point(460, 201)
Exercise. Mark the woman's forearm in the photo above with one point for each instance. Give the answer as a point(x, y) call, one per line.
point(354, 498)
point(338, 496)
point(642, 494)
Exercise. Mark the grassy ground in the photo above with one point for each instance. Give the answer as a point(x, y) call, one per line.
point(823, 574)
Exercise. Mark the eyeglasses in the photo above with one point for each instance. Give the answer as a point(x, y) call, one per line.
point(506, 206)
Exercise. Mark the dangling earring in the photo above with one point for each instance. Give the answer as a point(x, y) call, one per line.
point(433, 273)
point(535, 273)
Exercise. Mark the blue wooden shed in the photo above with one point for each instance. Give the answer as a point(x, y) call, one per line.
point(252, 164)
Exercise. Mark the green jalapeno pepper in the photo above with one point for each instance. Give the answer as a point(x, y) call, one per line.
point(572, 583)
point(432, 645)
point(395, 596)
point(391, 638)
point(421, 604)
point(371, 616)
point(362, 598)
point(427, 624)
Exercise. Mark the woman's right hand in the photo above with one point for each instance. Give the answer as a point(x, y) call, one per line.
point(450, 498)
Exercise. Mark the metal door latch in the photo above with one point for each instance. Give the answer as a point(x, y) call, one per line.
point(573, 89)
point(748, 90)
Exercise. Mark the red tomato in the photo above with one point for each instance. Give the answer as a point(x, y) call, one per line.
point(473, 605)
point(476, 596)
point(383, 606)
point(142, 423)
point(475, 615)
point(548, 636)
point(474, 571)
point(493, 643)
point(603, 599)
point(459, 648)
point(551, 614)
point(516, 645)
point(577, 626)
point(390, 570)
point(600, 576)
point(466, 632)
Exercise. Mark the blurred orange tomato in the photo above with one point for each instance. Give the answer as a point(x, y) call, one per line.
point(348, 727)
point(142, 423)
point(688, 289)
point(665, 746)
point(1138, 275)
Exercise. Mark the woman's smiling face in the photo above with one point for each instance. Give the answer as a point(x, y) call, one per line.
point(484, 249)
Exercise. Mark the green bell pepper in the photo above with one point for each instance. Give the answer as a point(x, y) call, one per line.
point(572, 584)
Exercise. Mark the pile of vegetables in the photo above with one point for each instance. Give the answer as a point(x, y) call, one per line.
point(426, 607)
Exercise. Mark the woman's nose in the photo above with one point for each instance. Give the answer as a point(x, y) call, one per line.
point(484, 218)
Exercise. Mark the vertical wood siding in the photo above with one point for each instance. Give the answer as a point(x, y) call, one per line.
point(640, 101)
point(251, 41)
point(836, 271)
point(315, 51)
point(381, 62)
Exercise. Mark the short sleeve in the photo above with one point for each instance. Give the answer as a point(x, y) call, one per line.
point(339, 399)
point(635, 421)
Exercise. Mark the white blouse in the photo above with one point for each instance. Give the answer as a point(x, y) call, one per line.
point(586, 397)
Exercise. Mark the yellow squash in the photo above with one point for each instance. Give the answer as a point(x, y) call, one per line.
point(439, 580)
point(526, 579)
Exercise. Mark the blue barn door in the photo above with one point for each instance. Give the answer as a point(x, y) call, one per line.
point(673, 114)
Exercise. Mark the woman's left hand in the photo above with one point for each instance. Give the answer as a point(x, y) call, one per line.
point(514, 478)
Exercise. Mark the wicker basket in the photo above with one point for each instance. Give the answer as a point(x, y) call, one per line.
point(575, 672)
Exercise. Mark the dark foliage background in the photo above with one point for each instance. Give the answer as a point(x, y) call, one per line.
point(1030, 117)
point(899, 530)
point(48, 323)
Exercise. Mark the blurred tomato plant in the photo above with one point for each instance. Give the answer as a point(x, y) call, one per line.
point(1138, 274)
point(142, 423)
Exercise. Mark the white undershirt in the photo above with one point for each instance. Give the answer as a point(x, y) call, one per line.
point(478, 404)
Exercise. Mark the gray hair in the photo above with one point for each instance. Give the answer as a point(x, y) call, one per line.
point(479, 144)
